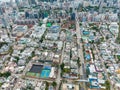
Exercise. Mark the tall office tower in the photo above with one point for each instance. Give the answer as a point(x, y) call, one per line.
point(4, 22)
point(1, 11)
point(51, 1)
point(115, 1)
point(119, 16)
point(24, 3)
point(73, 16)
point(101, 6)
point(47, 0)
point(17, 2)
point(27, 14)
point(118, 4)
point(32, 2)
point(11, 2)
point(36, 1)
point(59, 3)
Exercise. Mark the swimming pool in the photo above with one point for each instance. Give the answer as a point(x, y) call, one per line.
point(45, 73)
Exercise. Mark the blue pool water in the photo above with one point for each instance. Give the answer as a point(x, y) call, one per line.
point(45, 73)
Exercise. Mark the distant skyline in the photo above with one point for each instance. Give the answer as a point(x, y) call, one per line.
point(5, 0)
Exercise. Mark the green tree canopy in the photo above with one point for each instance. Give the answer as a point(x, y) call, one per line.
point(54, 84)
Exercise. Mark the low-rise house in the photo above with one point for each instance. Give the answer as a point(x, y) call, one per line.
point(69, 86)
point(21, 62)
point(4, 49)
point(114, 28)
point(52, 36)
point(19, 30)
point(38, 32)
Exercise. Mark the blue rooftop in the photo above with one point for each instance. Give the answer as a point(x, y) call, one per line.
point(86, 32)
point(93, 83)
point(87, 57)
point(91, 37)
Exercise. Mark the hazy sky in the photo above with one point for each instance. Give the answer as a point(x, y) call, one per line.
point(4, 0)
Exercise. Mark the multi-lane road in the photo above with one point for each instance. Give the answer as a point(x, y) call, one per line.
point(58, 80)
point(80, 49)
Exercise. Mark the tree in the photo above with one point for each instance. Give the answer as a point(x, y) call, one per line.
point(70, 10)
point(33, 53)
point(54, 84)
point(11, 50)
point(47, 85)
point(40, 23)
point(29, 87)
point(80, 24)
point(11, 27)
point(107, 84)
point(107, 37)
point(98, 42)
point(62, 66)
point(102, 39)
point(17, 58)
point(54, 44)
point(66, 70)
point(78, 62)
point(118, 56)
point(95, 28)
point(74, 35)
point(91, 42)
point(1, 84)
point(6, 74)
point(3, 43)
point(94, 33)
point(70, 53)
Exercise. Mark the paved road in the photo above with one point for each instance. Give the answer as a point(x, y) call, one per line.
point(27, 66)
point(23, 74)
point(102, 60)
point(105, 70)
point(58, 80)
point(80, 49)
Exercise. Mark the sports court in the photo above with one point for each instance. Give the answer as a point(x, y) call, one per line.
point(39, 71)
point(36, 68)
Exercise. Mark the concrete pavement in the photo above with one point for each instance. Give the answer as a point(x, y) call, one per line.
point(80, 52)
point(80, 49)
point(58, 80)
